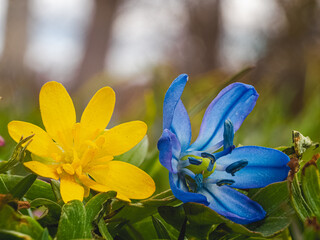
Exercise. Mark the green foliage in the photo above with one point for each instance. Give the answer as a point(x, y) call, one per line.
point(202, 220)
point(17, 155)
point(77, 221)
point(137, 154)
point(73, 222)
point(16, 226)
point(310, 182)
point(39, 189)
point(160, 228)
point(22, 187)
point(163, 216)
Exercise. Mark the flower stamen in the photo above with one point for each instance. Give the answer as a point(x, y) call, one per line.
point(194, 161)
point(212, 160)
point(199, 181)
point(68, 168)
point(225, 182)
point(236, 166)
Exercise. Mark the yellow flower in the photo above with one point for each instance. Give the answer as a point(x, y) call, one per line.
point(81, 154)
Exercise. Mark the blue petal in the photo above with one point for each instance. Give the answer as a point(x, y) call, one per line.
point(181, 191)
point(181, 126)
point(265, 166)
point(234, 102)
point(169, 150)
point(232, 204)
point(172, 98)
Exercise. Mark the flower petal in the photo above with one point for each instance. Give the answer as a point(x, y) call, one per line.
point(43, 170)
point(172, 98)
point(181, 126)
point(99, 187)
point(58, 113)
point(234, 102)
point(97, 114)
point(169, 150)
point(265, 166)
point(124, 178)
point(180, 190)
point(233, 204)
point(70, 189)
point(41, 145)
point(123, 137)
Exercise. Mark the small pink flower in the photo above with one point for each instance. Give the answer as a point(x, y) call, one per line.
point(2, 142)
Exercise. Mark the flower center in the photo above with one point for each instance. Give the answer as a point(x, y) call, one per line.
point(197, 171)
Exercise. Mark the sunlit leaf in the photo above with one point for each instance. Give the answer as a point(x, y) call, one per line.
point(72, 224)
point(39, 189)
point(298, 202)
point(137, 154)
point(310, 181)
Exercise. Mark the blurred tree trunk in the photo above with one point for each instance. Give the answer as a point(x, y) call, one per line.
point(15, 40)
point(97, 42)
point(13, 71)
point(203, 31)
point(286, 56)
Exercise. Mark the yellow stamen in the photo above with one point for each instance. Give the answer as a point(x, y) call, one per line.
point(59, 170)
point(79, 170)
point(100, 141)
point(91, 144)
point(68, 168)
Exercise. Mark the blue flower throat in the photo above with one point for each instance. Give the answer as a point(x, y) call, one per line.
point(197, 170)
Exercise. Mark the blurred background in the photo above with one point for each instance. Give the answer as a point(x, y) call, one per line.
point(138, 47)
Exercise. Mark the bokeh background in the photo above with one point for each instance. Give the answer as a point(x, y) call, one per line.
point(138, 47)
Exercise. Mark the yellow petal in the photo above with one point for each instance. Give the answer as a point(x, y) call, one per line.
point(58, 114)
point(123, 137)
point(41, 145)
point(99, 161)
point(70, 189)
point(125, 179)
point(42, 170)
point(123, 197)
point(97, 114)
point(89, 183)
point(92, 184)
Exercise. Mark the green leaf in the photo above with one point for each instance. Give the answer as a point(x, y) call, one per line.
point(297, 200)
point(202, 220)
point(310, 181)
point(3, 187)
point(95, 204)
point(183, 230)
point(50, 217)
point(275, 200)
point(55, 185)
point(72, 224)
point(174, 216)
point(45, 235)
point(103, 229)
point(161, 230)
point(39, 189)
point(12, 222)
point(22, 187)
point(137, 154)
point(137, 211)
point(13, 235)
point(17, 155)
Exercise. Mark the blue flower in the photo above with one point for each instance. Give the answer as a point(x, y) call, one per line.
point(199, 172)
